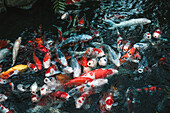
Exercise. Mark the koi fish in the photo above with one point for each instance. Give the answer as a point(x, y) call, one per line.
point(64, 16)
point(16, 47)
point(34, 88)
point(37, 61)
point(42, 48)
point(76, 67)
point(35, 98)
point(141, 46)
point(52, 83)
point(3, 53)
point(3, 43)
point(94, 32)
point(109, 102)
point(94, 52)
point(3, 97)
point(100, 73)
point(92, 63)
point(143, 65)
point(39, 41)
point(119, 42)
point(60, 56)
point(157, 33)
point(150, 89)
point(70, 2)
point(95, 83)
point(47, 60)
point(71, 41)
point(13, 71)
point(4, 81)
point(44, 90)
point(83, 62)
point(139, 21)
point(61, 95)
point(22, 87)
point(62, 78)
point(147, 36)
point(80, 101)
point(126, 46)
point(81, 22)
point(61, 38)
point(52, 71)
point(32, 67)
point(77, 81)
point(113, 56)
point(68, 70)
point(3, 109)
point(103, 61)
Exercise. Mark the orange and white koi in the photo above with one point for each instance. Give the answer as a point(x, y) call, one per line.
point(157, 33)
point(3, 97)
point(3, 109)
point(100, 73)
point(83, 62)
point(95, 83)
point(37, 61)
point(78, 81)
point(32, 67)
point(16, 47)
point(47, 60)
point(52, 71)
point(13, 71)
point(71, 41)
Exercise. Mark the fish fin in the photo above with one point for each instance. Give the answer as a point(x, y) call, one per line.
point(141, 28)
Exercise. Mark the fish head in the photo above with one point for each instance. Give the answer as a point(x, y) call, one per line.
point(131, 51)
point(34, 98)
point(102, 61)
point(68, 70)
point(80, 102)
point(43, 90)
point(146, 21)
point(92, 63)
point(34, 88)
point(157, 33)
point(109, 103)
point(147, 36)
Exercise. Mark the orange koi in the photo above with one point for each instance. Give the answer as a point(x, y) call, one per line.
point(37, 61)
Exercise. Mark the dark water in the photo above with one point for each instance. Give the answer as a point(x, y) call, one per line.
point(15, 21)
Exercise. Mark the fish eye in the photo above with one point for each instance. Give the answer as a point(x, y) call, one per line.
point(33, 92)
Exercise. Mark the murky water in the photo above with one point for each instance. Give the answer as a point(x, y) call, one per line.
point(16, 22)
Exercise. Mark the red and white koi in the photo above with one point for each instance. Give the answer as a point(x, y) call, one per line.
point(16, 47)
point(94, 52)
point(32, 67)
point(47, 60)
point(147, 36)
point(126, 46)
point(81, 22)
point(100, 73)
point(3, 97)
point(136, 57)
point(70, 2)
point(44, 90)
point(80, 101)
point(3, 109)
point(34, 88)
point(143, 65)
point(35, 98)
point(95, 83)
point(52, 70)
point(71, 41)
point(42, 48)
point(150, 89)
point(60, 95)
point(52, 83)
point(157, 33)
point(37, 61)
